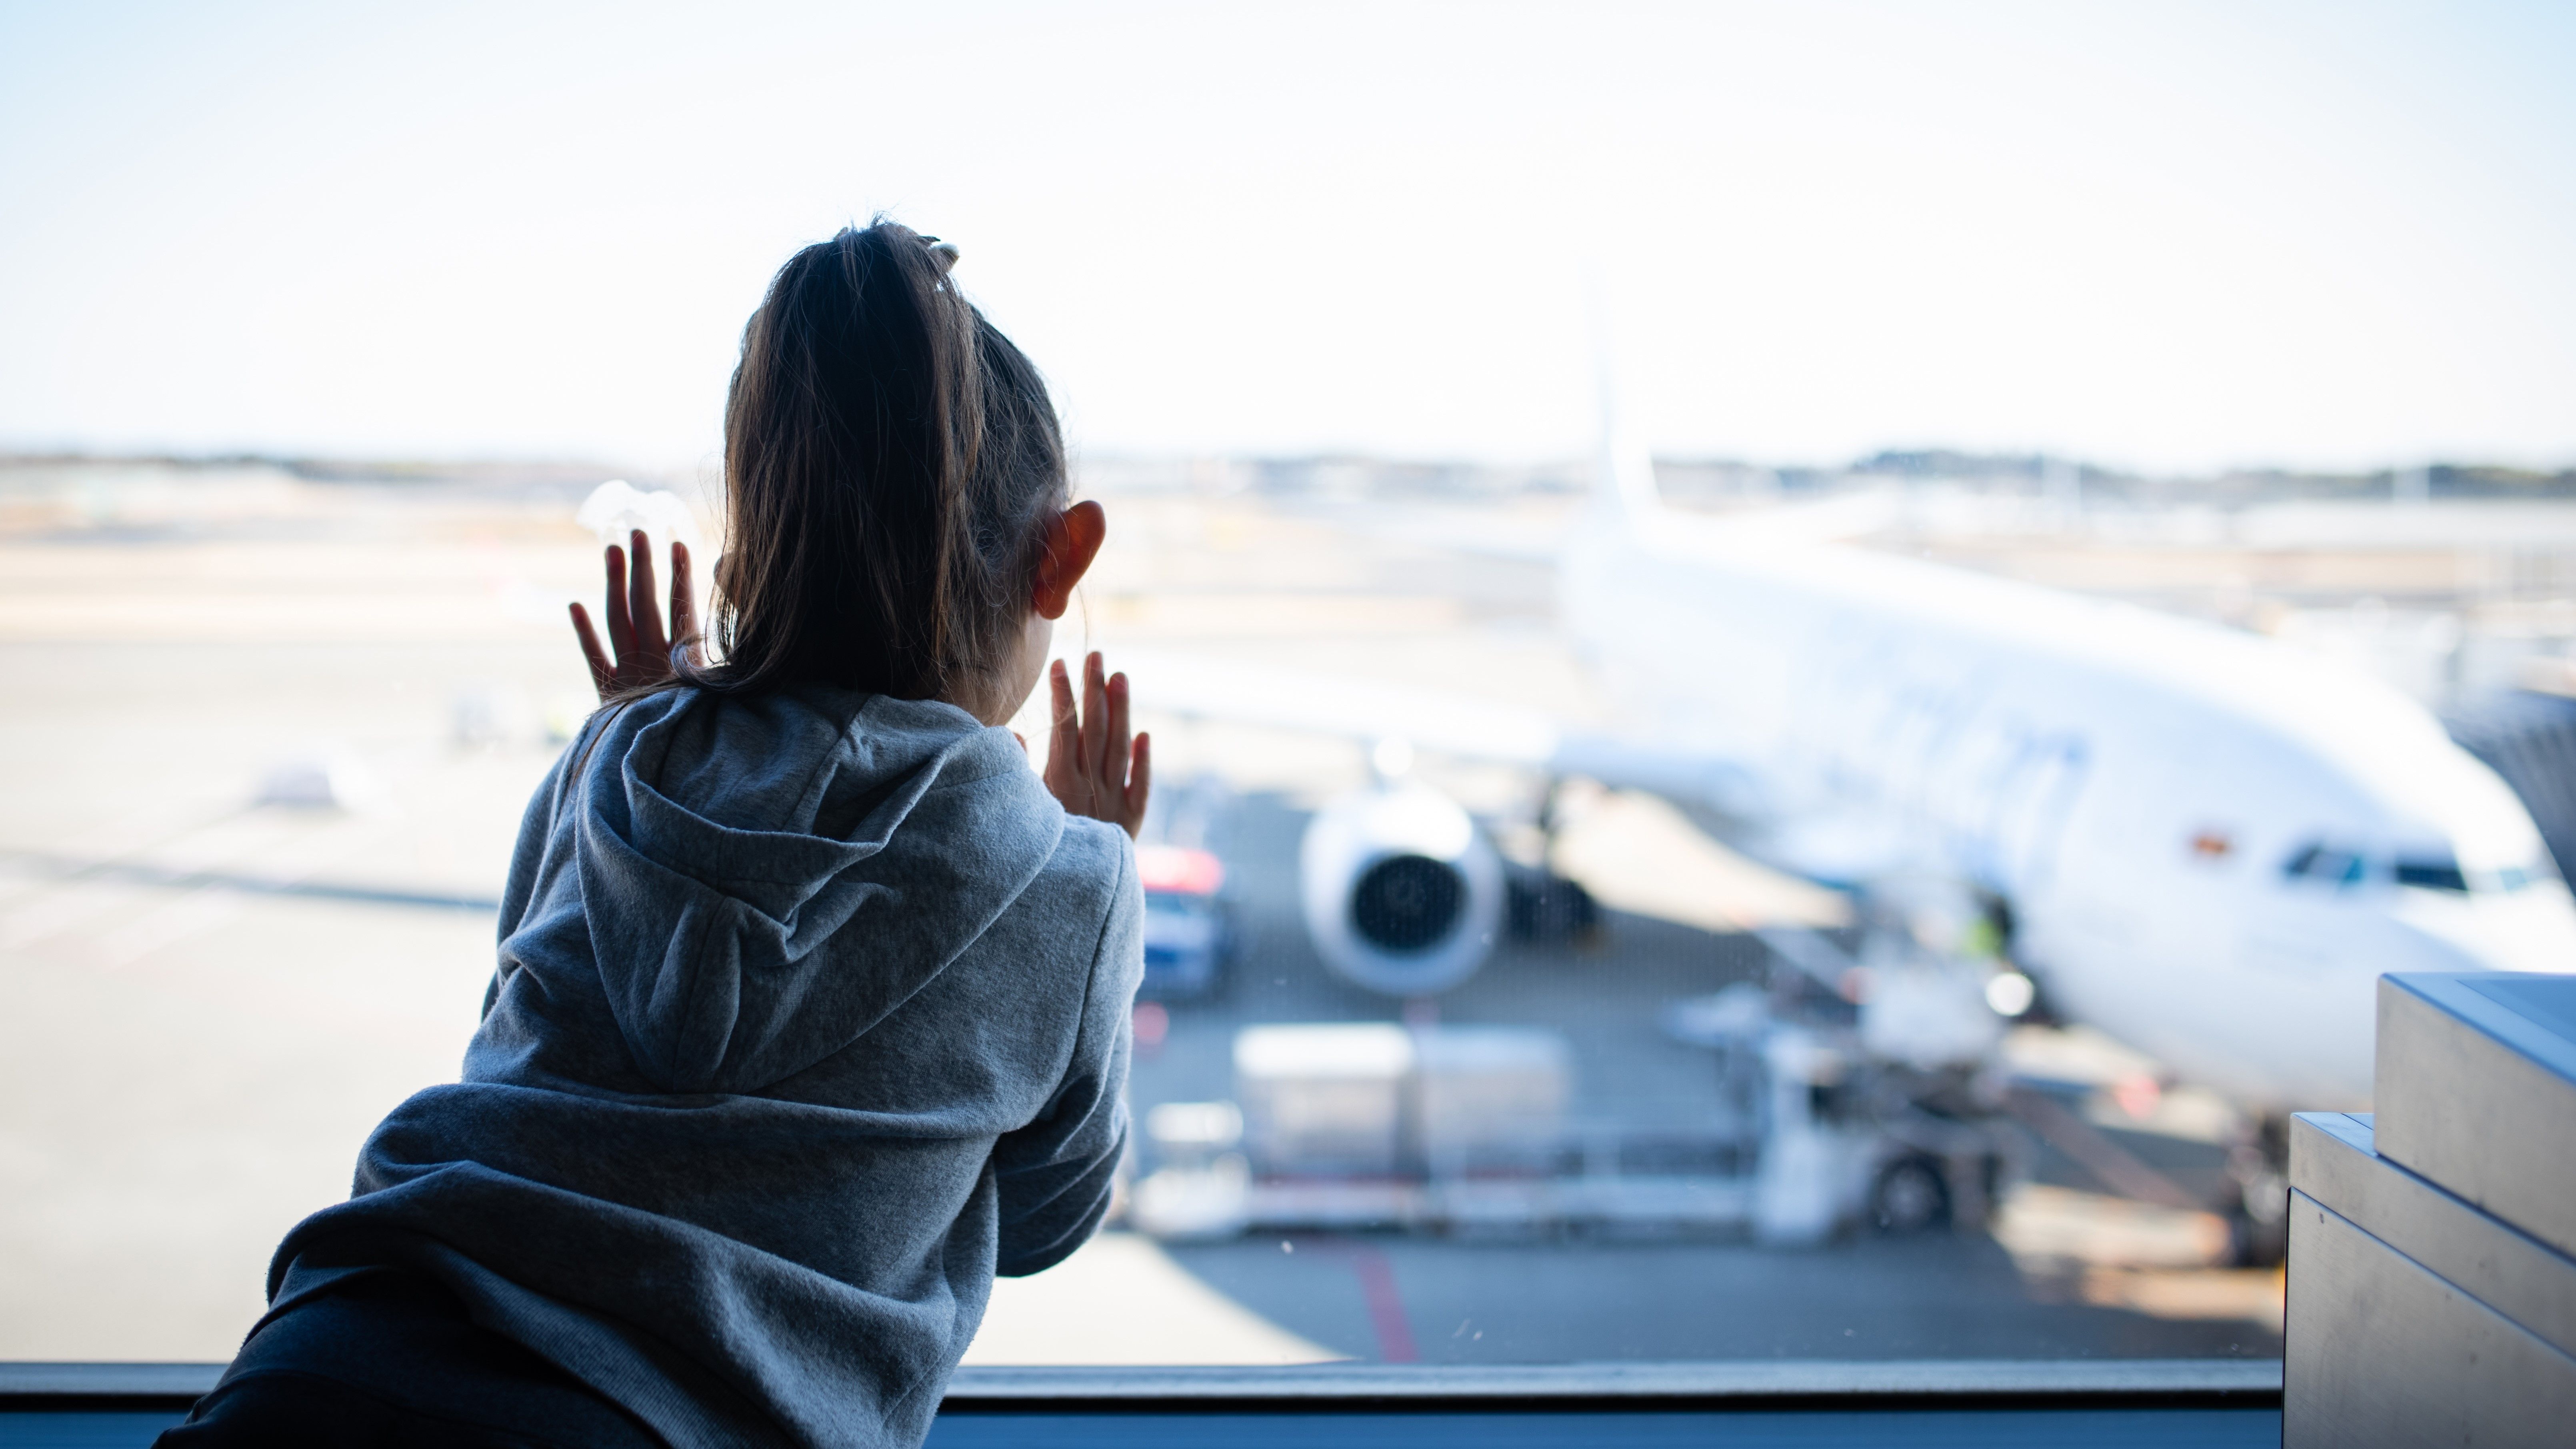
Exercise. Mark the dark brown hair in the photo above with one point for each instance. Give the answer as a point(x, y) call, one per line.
point(891, 465)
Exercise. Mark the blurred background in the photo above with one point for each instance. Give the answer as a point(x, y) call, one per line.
point(322, 322)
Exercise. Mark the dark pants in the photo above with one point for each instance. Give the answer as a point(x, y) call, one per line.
point(389, 1360)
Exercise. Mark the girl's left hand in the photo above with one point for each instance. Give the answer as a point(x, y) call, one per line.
point(635, 620)
point(1093, 768)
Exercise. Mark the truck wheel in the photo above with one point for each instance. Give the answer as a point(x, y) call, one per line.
point(1909, 1197)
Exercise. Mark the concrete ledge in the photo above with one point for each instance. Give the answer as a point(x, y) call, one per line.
point(107, 1380)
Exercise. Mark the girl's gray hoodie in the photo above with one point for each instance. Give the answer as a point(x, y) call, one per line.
point(811, 1016)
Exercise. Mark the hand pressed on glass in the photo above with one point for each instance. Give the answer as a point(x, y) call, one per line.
point(1093, 767)
point(643, 650)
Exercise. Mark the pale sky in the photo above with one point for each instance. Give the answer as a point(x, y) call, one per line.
point(2158, 235)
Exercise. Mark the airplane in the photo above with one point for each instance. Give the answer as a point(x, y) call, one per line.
point(2208, 845)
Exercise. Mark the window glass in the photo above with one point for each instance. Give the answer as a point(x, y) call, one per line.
point(2329, 865)
point(1713, 592)
point(2430, 874)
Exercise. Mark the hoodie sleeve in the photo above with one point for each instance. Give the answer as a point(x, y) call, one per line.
point(1055, 1174)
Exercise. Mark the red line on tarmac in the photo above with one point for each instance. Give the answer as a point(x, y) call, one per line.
point(1385, 1305)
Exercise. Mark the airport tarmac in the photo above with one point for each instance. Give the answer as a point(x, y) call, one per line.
point(206, 1001)
point(1549, 1298)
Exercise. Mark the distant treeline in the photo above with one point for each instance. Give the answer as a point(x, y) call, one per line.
point(1720, 479)
point(1684, 479)
point(2440, 480)
point(544, 476)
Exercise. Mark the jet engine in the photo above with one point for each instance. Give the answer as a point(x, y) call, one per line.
point(1403, 894)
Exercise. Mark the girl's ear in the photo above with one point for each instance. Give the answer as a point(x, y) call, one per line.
point(1072, 541)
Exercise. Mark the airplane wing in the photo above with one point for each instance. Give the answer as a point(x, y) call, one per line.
point(1458, 725)
point(1208, 687)
point(1530, 536)
point(1520, 536)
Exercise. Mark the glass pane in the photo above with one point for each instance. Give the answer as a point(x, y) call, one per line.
point(2431, 875)
point(1800, 669)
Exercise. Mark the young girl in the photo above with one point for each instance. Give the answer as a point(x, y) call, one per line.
point(812, 1009)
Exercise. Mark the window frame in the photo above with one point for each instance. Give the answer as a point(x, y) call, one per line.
point(2178, 1388)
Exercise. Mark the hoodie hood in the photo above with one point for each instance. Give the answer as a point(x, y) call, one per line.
point(746, 865)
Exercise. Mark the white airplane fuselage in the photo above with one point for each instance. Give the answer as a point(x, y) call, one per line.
point(2211, 844)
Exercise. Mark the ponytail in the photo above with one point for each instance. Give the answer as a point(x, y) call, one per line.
point(891, 464)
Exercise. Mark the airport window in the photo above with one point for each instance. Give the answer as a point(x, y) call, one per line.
point(1457, 1063)
point(1675, 738)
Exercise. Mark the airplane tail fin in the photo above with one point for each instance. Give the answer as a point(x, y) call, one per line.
point(1623, 477)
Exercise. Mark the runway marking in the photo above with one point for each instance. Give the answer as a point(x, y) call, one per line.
point(1378, 1291)
point(175, 879)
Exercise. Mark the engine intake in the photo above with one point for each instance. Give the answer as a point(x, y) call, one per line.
point(1407, 902)
point(1402, 893)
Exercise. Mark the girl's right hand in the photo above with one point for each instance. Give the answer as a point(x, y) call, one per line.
point(1093, 767)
